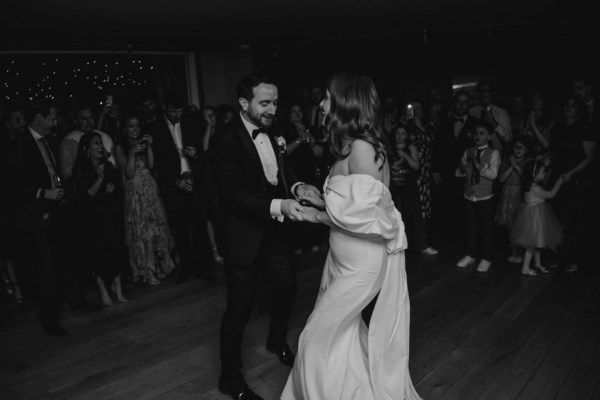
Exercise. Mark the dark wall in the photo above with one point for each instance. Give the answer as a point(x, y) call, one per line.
point(519, 59)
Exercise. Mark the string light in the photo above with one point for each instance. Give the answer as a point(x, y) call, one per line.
point(62, 77)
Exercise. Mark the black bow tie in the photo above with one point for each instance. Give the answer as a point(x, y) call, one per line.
point(459, 119)
point(255, 132)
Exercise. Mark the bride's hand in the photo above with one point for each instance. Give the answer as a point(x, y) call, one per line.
point(310, 214)
point(312, 195)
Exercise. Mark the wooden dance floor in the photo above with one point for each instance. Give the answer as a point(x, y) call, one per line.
point(497, 335)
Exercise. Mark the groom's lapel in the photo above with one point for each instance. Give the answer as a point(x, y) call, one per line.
point(249, 145)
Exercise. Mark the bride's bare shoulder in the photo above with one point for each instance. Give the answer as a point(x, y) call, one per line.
point(362, 160)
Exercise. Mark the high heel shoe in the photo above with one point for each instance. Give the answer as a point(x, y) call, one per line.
point(106, 300)
point(528, 272)
point(118, 296)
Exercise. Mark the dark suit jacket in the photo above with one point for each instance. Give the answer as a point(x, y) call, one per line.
point(166, 156)
point(31, 174)
point(244, 190)
point(448, 149)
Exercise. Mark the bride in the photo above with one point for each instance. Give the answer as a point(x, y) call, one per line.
point(340, 357)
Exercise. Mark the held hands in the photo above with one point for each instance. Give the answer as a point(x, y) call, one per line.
point(309, 214)
point(311, 194)
point(292, 209)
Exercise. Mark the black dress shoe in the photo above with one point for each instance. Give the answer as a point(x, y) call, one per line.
point(283, 352)
point(53, 329)
point(237, 389)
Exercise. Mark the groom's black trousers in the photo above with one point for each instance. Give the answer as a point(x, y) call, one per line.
point(273, 262)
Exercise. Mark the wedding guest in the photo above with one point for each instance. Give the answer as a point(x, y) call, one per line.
point(423, 137)
point(225, 113)
point(455, 135)
point(34, 162)
point(489, 112)
point(511, 187)
point(147, 235)
point(304, 154)
point(479, 166)
point(13, 126)
point(536, 227)
point(405, 191)
point(179, 160)
point(573, 149)
point(95, 181)
point(210, 122)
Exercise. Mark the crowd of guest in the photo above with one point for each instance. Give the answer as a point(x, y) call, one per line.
point(103, 194)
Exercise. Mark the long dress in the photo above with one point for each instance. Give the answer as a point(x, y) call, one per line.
point(424, 139)
point(339, 357)
point(147, 232)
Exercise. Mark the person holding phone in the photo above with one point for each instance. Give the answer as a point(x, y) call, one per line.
point(179, 162)
point(147, 233)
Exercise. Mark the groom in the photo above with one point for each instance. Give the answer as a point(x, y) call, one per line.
point(255, 186)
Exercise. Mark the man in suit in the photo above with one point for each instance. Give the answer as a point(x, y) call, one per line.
point(255, 184)
point(313, 114)
point(179, 159)
point(37, 194)
point(455, 136)
point(498, 117)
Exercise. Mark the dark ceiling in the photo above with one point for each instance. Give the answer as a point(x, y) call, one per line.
point(33, 24)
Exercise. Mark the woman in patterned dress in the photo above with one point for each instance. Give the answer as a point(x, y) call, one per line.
point(147, 232)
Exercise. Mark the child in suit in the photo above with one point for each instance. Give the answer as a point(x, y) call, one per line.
point(479, 166)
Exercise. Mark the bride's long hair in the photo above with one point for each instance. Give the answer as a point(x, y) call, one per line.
point(355, 113)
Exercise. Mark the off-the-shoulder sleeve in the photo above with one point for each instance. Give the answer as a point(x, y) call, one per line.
point(363, 205)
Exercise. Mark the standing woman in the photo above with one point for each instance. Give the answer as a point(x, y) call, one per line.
point(95, 182)
point(422, 136)
point(573, 148)
point(340, 355)
point(147, 233)
point(210, 128)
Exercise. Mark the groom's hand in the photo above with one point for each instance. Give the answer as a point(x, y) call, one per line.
point(291, 209)
point(312, 194)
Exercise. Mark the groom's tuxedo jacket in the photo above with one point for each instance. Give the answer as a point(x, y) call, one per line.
point(245, 193)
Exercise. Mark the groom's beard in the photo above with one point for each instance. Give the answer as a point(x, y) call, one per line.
point(265, 120)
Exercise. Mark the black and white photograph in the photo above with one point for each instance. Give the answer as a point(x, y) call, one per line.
point(312, 200)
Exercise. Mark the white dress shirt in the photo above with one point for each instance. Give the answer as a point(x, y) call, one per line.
point(176, 135)
point(268, 160)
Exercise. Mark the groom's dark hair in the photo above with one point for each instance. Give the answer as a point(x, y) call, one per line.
point(246, 86)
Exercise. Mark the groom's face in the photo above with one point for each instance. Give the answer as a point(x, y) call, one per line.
point(262, 107)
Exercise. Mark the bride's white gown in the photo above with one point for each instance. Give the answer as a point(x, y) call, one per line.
point(339, 358)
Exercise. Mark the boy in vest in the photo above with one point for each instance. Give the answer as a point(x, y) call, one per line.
point(479, 166)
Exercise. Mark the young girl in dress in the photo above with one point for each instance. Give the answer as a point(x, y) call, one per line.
point(536, 227)
point(511, 191)
point(147, 233)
